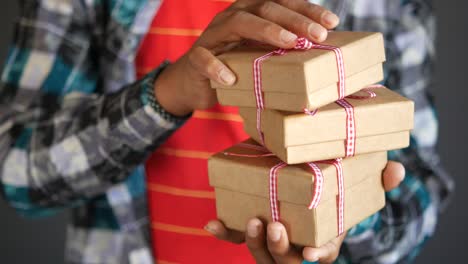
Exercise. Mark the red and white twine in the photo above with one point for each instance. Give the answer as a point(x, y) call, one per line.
point(350, 142)
point(317, 192)
point(274, 207)
point(340, 197)
point(302, 44)
point(318, 183)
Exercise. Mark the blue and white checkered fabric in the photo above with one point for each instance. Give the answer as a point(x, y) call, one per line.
point(74, 131)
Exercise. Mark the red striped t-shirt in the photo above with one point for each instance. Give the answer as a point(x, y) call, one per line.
point(180, 200)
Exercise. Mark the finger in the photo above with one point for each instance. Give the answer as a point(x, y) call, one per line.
point(256, 241)
point(279, 247)
point(244, 25)
point(393, 175)
point(211, 67)
point(326, 253)
point(217, 228)
point(315, 12)
point(291, 20)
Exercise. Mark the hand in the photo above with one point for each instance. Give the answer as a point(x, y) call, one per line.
point(276, 247)
point(184, 86)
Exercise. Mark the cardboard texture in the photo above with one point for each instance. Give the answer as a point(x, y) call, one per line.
point(304, 79)
point(296, 102)
point(382, 123)
point(241, 187)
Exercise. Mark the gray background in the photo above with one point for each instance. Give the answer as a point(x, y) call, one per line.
point(41, 241)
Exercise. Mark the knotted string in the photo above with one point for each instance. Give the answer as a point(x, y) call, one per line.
point(350, 142)
point(302, 44)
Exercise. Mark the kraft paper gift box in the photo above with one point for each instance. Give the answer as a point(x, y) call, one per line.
point(382, 123)
point(242, 192)
point(304, 79)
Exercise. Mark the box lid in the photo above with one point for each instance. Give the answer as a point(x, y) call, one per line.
point(297, 102)
point(295, 182)
point(305, 71)
point(386, 113)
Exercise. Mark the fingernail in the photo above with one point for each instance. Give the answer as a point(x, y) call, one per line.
point(317, 32)
point(253, 228)
point(210, 229)
point(275, 232)
point(331, 19)
point(287, 37)
point(226, 76)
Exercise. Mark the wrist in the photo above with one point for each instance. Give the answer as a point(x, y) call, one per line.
point(168, 90)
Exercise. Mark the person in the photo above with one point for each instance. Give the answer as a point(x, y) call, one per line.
point(77, 126)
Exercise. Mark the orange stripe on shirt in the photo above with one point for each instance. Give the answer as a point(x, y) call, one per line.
point(191, 32)
point(180, 191)
point(218, 116)
point(180, 229)
point(185, 153)
point(160, 261)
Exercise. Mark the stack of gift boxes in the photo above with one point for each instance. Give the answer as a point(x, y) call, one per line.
point(304, 126)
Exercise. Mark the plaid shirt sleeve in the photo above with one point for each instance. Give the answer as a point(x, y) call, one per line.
point(63, 138)
point(397, 233)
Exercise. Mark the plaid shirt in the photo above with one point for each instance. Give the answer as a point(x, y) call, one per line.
point(75, 126)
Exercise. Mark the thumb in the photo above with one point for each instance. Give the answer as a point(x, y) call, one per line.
point(393, 175)
point(211, 67)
